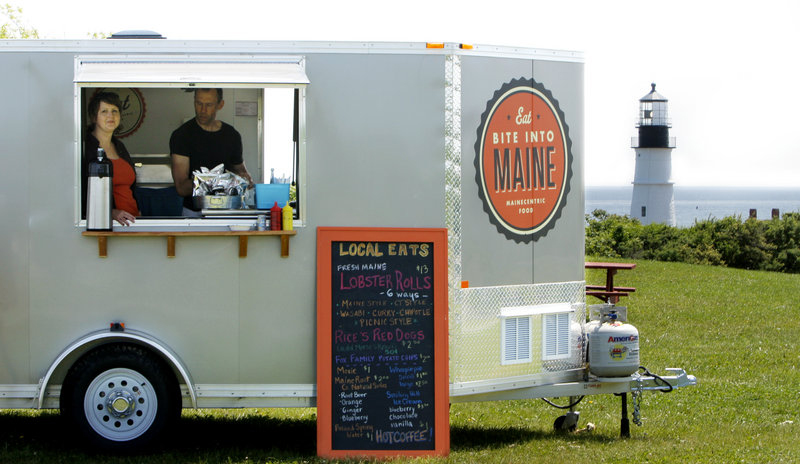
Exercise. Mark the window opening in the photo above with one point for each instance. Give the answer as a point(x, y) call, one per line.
point(262, 101)
point(280, 157)
point(267, 120)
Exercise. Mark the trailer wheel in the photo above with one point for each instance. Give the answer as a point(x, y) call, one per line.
point(120, 397)
point(567, 423)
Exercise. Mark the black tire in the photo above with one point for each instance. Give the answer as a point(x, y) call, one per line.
point(120, 397)
point(558, 424)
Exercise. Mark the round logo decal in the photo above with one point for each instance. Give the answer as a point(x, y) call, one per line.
point(523, 160)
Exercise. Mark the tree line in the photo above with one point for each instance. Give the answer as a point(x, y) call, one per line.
point(12, 26)
point(772, 245)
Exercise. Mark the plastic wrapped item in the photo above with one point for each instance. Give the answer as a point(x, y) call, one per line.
point(218, 189)
point(249, 198)
point(217, 181)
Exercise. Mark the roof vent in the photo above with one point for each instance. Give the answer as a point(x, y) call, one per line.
point(137, 34)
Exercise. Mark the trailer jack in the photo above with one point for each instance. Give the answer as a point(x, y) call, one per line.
point(624, 424)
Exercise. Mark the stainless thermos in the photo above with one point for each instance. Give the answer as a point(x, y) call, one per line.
point(99, 198)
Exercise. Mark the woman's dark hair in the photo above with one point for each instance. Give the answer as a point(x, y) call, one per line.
point(94, 104)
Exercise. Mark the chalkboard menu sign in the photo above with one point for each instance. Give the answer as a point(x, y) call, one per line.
point(382, 357)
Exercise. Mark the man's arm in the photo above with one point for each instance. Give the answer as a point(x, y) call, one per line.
point(181, 175)
point(240, 170)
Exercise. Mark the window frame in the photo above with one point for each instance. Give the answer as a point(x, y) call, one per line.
point(186, 72)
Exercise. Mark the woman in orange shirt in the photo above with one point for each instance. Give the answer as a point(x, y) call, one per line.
point(104, 113)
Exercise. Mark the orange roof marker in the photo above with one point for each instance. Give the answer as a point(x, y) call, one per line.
point(434, 45)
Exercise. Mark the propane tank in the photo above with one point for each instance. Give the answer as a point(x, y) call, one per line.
point(275, 217)
point(99, 197)
point(613, 347)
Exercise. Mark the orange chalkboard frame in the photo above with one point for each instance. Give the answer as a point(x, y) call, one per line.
point(326, 236)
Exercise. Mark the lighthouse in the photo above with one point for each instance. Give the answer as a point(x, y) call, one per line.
point(653, 200)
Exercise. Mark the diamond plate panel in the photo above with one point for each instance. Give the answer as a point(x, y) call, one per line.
point(475, 330)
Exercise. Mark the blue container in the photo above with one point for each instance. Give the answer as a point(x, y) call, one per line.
point(268, 194)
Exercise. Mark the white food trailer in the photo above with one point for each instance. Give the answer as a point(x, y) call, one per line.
point(174, 312)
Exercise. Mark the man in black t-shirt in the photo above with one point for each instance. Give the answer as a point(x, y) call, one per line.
point(204, 141)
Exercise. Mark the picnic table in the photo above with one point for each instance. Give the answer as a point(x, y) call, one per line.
point(609, 292)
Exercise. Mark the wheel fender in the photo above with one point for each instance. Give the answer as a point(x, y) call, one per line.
point(103, 337)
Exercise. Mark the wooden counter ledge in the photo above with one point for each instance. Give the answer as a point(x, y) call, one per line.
point(102, 238)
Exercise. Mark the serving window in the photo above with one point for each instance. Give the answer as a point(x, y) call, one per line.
point(263, 101)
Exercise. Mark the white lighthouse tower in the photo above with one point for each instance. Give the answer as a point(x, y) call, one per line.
point(652, 200)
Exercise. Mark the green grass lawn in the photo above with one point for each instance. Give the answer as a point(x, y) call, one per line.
point(736, 330)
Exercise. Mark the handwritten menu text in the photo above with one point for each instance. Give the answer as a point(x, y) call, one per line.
point(382, 352)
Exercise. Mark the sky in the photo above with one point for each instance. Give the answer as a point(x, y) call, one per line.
point(728, 68)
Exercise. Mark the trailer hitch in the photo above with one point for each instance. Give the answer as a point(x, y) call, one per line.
point(649, 382)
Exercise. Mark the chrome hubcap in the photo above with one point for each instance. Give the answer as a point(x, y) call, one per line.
point(120, 404)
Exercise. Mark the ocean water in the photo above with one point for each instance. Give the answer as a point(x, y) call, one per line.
point(698, 203)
